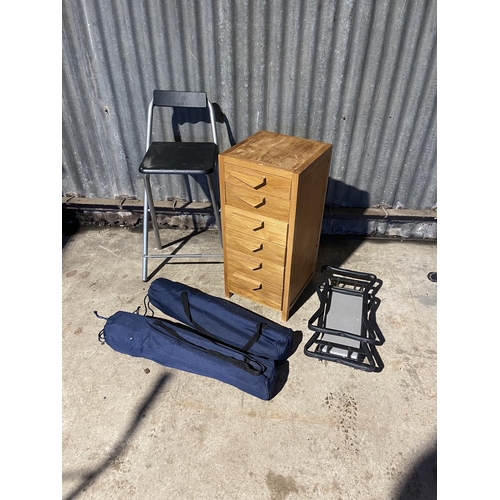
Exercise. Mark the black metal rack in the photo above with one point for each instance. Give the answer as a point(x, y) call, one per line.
point(345, 325)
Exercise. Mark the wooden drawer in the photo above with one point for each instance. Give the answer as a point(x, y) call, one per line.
point(265, 228)
point(259, 181)
point(257, 269)
point(258, 203)
point(260, 291)
point(254, 247)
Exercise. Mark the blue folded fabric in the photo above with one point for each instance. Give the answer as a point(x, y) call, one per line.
point(178, 346)
point(222, 320)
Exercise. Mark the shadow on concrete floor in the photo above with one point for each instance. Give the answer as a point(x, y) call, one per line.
point(120, 447)
point(333, 251)
point(421, 482)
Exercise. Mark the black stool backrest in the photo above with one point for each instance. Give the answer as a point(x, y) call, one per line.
point(173, 98)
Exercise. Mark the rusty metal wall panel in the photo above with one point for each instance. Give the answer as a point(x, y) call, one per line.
point(360, 74)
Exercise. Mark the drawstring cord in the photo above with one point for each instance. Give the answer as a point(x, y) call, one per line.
point(148, 306)
point(100, 335)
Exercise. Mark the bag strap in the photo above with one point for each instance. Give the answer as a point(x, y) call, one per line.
point(243, 364)
point(187, 310)
point(253, 339)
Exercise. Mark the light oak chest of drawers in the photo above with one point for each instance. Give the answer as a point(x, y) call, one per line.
point(273, 190)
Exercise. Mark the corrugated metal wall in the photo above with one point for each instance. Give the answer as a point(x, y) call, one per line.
point(358, 74)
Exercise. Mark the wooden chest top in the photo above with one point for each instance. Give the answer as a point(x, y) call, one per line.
point(283, 152)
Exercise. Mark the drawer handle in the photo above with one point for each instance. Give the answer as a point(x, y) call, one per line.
point(249, 246)
point(254, 204)
point(256, 285)
point(256, 268)
point(260, 226)
point(250, 180)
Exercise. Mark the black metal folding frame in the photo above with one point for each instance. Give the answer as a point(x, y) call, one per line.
point(326, 343)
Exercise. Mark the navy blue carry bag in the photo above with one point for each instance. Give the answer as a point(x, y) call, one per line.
point(177, 346)
point(222, 319)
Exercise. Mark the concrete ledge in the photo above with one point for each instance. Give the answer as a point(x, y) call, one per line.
point(133, 205)
point(379, 213)
point(379, 222)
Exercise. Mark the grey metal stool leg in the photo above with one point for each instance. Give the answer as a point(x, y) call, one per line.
point(152, 211)
point(149, 209)
point(215, 206)
point(145, 236)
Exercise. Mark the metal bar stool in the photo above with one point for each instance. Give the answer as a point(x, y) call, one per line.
point(163, 158)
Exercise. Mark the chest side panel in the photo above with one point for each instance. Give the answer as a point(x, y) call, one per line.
point(305, 228)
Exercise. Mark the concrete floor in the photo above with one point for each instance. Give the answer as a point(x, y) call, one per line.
point(133, 429)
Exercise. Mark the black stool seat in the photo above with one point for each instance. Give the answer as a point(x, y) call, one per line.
point(179, 158)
